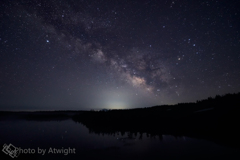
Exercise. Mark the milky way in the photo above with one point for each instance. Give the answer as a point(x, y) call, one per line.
point(116, 54)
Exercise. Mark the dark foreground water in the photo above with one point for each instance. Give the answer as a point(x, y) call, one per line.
point(74, 141)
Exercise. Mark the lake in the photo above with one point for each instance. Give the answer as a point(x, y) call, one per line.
point(67, 139)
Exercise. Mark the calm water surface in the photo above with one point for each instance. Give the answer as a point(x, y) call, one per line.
point(69, 134)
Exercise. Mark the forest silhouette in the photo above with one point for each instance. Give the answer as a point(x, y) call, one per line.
point(215, 119)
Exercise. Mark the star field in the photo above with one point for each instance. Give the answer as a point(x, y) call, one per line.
point(70, 54)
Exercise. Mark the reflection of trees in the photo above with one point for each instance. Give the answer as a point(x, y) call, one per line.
point(212, 119)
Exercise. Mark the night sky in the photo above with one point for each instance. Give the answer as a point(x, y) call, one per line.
point(85, 54)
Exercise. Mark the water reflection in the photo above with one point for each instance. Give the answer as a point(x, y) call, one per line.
point(108, 145)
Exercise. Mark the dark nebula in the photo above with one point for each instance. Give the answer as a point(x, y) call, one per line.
point(85, 54)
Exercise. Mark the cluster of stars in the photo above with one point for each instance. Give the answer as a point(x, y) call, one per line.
point(158, 51)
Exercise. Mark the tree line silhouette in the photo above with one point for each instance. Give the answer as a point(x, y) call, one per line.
point(216, 119)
